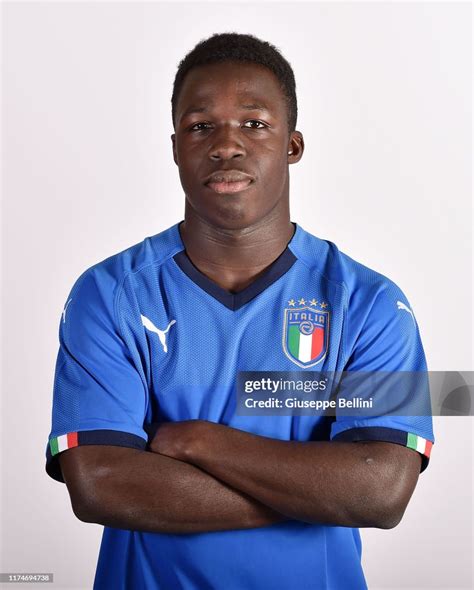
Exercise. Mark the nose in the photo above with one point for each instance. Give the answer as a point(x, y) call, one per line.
point(226, 145)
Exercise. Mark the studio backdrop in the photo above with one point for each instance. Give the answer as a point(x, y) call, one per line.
point(384, 102)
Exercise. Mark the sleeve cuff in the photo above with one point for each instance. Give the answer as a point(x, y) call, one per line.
point(58, 444)
point(400, 437)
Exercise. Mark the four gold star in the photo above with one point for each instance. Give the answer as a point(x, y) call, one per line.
point(302, 301)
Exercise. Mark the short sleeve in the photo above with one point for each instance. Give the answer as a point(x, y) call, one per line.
point(388, 344)
point(99, 396)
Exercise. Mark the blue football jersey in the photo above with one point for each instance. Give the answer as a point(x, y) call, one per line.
point(145, 338)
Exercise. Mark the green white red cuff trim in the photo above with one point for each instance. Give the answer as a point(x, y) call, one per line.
point(63, 442)
point(419, 444)
point(70, 440)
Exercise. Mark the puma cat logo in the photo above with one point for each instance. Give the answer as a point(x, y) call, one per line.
point(401, 305)
point(149, 325)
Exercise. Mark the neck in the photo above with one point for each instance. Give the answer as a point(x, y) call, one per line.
point(233, 258)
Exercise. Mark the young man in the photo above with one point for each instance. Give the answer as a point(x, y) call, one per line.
point(157, 335)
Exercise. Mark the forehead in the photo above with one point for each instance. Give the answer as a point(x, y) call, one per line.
point(237, 82)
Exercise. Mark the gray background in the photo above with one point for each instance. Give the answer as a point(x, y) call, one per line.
point(384, 93)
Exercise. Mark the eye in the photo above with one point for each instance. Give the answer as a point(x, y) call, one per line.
point(193, 128)
point(255, 121)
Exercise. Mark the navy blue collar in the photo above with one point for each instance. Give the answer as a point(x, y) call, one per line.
point(235, 301)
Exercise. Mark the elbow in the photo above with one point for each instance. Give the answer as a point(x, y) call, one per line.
point(385, 520)
point(389, 488)
point(91, 499)
point(84, 513)
point(379, 507)
point(88, 502)
point(95, 508)
point(385, 514)
point(389, 521)
point(90, 484)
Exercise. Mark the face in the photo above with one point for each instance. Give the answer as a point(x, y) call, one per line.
point(231, 144)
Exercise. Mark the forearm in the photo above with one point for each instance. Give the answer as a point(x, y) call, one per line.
point(344, 484)
point(148, 492)
point(291, 480)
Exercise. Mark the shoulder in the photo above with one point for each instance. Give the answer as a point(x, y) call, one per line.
point(108, 276)
point(101, 293)
point(361, 284)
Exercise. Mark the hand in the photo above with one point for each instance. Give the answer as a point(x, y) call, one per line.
point(180, 440)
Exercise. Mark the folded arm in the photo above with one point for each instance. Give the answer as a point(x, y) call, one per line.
point(137, 490)
point(338, 483)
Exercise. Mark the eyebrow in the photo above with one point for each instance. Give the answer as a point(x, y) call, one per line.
point(255, 106)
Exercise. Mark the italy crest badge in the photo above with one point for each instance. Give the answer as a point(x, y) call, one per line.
point(306, 332)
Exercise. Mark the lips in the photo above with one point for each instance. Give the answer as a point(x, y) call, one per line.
point(228, 181)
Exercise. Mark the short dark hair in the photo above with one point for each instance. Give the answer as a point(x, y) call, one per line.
point(239, 47)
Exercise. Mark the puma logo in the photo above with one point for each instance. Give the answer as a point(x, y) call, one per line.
point(401, 305)
point(64, 311)
point(149, 325)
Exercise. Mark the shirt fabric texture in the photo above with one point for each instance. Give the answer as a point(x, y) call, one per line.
point(146, 338)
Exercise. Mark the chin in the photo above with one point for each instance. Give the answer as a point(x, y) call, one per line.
point(231, 212)
point(231, 216)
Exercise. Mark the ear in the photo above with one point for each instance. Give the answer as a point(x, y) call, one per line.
point(173, 141)
point(295, 147)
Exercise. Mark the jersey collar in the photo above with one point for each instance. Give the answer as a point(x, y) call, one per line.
point(235, 301)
